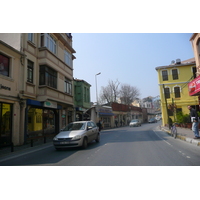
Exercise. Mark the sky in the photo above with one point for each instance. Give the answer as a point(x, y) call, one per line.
point(130, 58)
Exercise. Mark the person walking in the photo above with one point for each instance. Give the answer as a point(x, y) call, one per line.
point(195, 121)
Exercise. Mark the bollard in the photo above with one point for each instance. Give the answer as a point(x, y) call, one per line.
point(12, 147)
point(44, 139)
point(31, 142)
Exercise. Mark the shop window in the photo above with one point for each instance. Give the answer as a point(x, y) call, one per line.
point(167, 93)
point(175, 74)
point(48, 76)
point(4, 65)
point(165, 75)
point(30, 71)
point(5, 124)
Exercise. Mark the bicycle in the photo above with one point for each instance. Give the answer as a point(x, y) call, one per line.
point(174, 130)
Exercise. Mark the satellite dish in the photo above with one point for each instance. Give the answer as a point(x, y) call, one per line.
point(172, 62)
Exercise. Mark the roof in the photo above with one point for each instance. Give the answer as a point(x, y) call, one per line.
point(190, 61)
point(80, 80)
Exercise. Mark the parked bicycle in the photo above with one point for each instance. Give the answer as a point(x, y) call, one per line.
point(174, 130)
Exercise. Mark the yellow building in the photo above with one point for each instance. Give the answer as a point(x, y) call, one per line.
point(173, 82)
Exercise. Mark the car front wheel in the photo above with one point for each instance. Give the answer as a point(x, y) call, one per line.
point(85, 143)
point(98, 138)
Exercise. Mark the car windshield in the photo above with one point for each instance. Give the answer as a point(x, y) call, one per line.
point(134, 120)
point(75, 127)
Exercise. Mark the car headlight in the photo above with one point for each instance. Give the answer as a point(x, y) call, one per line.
point(77, 137)
point(55, 138)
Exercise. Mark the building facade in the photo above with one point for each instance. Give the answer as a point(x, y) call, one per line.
point(45, 85)
point(173, 85)
point(81, 99)
point(11, 105)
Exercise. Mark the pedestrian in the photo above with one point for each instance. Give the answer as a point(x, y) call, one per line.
point(116, 122)
point(195, 121)
point(100, 124)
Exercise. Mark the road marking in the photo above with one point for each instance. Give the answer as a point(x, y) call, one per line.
point(28, 151)
point(162, 139)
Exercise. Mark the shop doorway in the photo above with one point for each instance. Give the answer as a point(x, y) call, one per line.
point(5, 124)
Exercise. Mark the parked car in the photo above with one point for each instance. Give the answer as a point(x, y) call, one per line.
point(135, 122)
point(77, 134)
point(152, 120)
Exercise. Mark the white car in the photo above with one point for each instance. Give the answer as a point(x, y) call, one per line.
point(77, 134)
point(135, 122)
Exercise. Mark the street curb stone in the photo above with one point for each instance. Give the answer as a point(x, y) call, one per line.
point(189, 140)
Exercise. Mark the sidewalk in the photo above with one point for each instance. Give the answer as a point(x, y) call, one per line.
point(184, 134)
point(7, 151)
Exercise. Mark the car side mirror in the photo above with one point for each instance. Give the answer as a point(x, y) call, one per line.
point(89, 128)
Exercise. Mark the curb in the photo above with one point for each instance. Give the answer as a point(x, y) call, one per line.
point(186, 139)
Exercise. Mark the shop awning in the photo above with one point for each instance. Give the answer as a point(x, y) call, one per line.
point(108, 114)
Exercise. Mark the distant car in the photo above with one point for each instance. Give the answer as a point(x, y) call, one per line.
point(152, 120)
point(77, 134)
point(135, 122)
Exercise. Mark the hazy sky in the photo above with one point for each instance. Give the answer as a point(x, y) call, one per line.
point(129, 57)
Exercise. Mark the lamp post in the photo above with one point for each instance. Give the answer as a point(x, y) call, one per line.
point(96, 86)
point(97, 95)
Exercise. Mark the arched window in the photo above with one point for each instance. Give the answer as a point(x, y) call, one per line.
point(177, 92)
point(175, 74)
point(167, 92)
point(164, 75)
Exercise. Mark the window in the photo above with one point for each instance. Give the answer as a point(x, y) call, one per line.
point(165, 75)
point(48, 41)
point(194, 70)
point(48, 76)
point(175, 74)
point(68, 58)
point(4, 65)
point(69, 35)
point(177, 92)
point(68, 86)
point(167, 93)
point(30, 37)
point(30, 71)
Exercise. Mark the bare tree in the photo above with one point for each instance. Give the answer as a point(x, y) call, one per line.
point(110, 92)
point(128, 93)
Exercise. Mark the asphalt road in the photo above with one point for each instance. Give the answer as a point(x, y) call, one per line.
point(124, 146)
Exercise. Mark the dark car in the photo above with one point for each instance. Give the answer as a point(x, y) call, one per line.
point(152, 120)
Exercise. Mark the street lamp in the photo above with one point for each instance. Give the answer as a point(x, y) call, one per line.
point(97, 96)
point(96, 86)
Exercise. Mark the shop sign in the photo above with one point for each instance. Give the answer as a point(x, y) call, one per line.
point(4, 87)
point(194, 87)
point(50, 104)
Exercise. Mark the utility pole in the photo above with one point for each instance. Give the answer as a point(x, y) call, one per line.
point(166, 104)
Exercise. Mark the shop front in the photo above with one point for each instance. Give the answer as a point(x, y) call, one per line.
point(107, 116)
point(42, 119)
